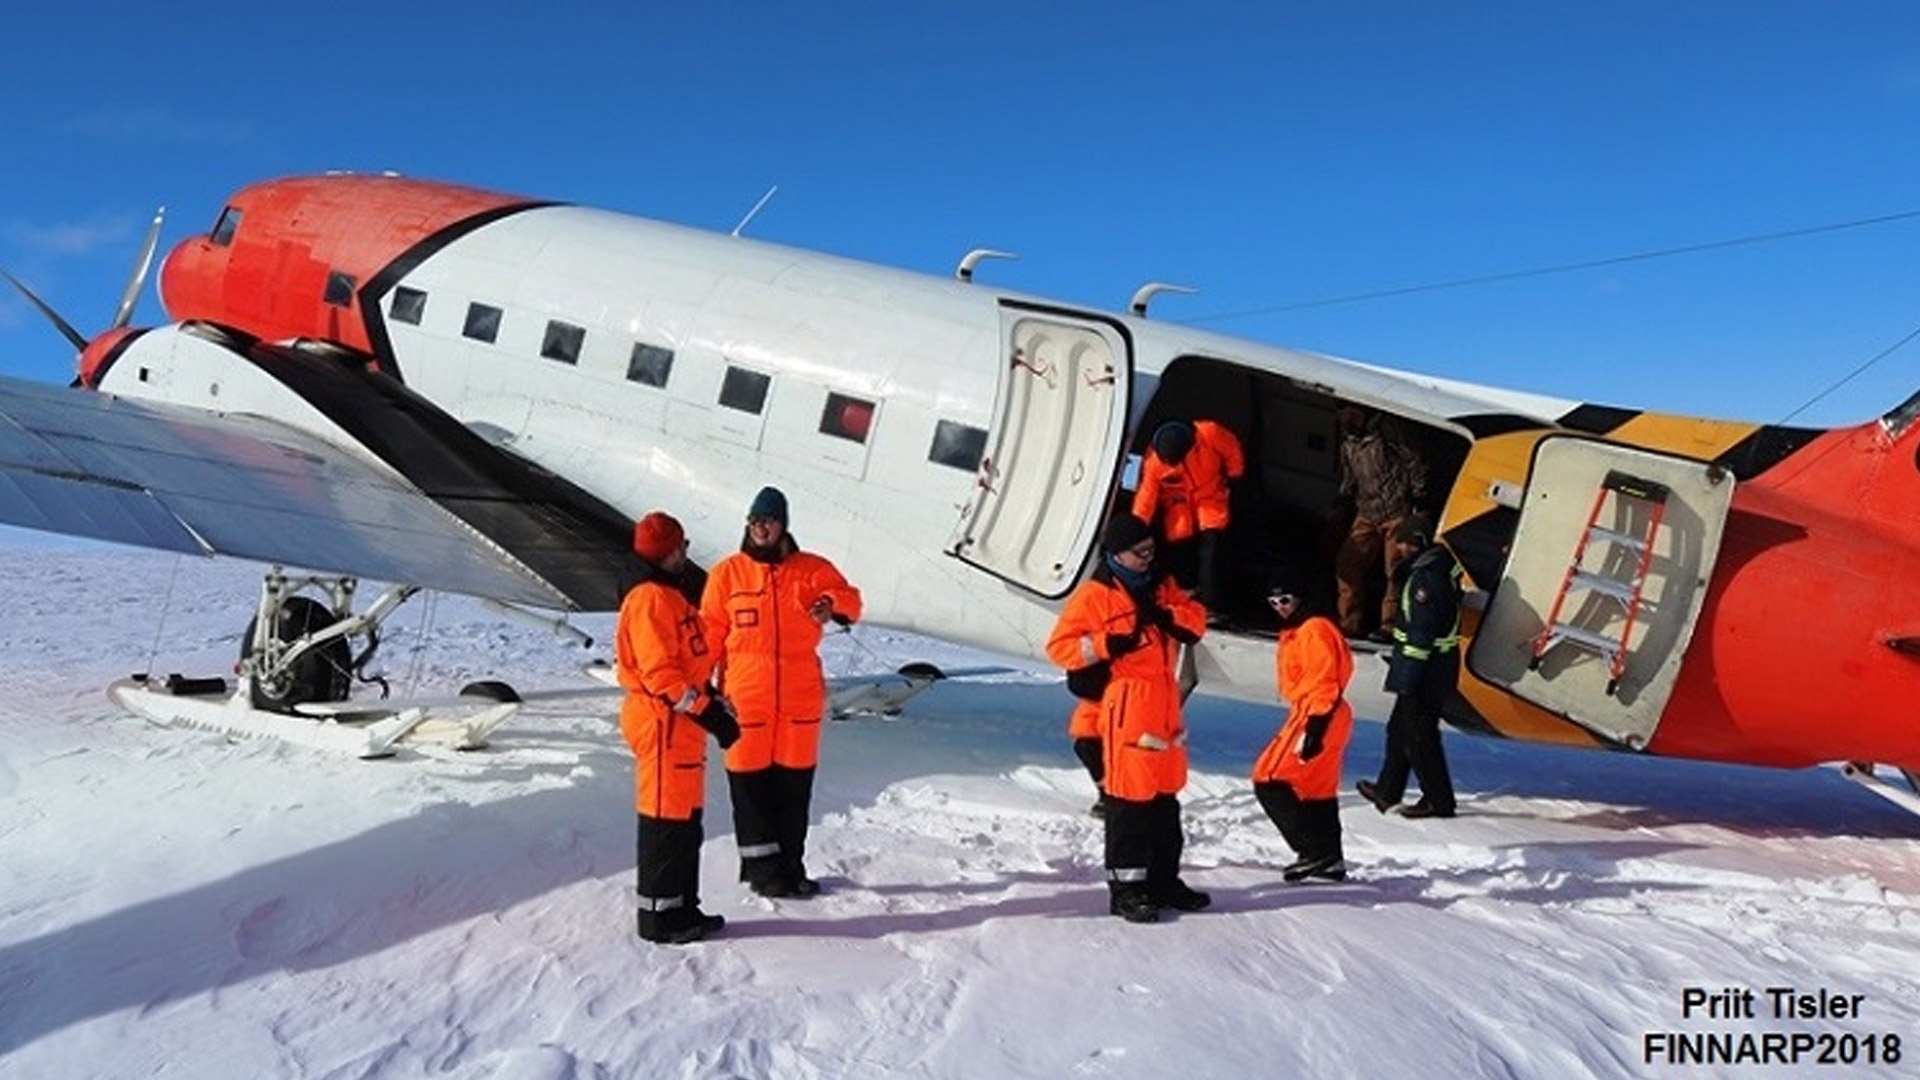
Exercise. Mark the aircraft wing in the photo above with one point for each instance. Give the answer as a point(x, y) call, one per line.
point(193, 480)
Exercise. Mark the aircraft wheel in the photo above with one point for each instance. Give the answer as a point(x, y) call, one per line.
point(318, 675)
point(490, 690)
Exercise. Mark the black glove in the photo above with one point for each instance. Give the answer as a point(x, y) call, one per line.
point(1090, 683)
point(1119, 645)
point(1155, 615)
point(1315, 739)
point(719, 721)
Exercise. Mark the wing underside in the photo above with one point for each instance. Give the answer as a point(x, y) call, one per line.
point(193, 480)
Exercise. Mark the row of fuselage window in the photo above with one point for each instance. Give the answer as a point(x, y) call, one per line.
point(957, 445)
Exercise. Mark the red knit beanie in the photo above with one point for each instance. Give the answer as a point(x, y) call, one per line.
point(657, 537)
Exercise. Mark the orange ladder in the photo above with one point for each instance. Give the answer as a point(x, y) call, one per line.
point(1626, 493)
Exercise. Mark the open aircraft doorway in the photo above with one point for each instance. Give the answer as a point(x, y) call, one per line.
point(1287, 515)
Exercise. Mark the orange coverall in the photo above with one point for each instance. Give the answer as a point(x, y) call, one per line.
point(769, 649)
point(1143, 739)
point(663, 662)
point(1191, 496)
point(1313, 666)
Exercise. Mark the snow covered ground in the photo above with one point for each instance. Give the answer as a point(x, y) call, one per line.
point(172, 903)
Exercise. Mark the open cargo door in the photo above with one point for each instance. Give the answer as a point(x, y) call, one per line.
point(1053, 453)
point(1604, 583)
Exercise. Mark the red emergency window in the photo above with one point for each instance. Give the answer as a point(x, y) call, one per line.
point(847, 418)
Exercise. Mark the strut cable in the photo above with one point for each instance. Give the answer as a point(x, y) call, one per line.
point(166, 606)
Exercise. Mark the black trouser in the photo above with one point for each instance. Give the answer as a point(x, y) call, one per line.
point(1195, 564)
point(667, 858)
point(1093, 755)
point(1311, 827)
point(770, 811)
point(1144, 841)
point(1413, 738)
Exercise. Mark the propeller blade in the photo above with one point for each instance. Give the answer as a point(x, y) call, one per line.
point(66, 329)
point(131, 297)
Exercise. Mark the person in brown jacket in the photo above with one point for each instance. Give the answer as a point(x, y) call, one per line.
point(1297, 777)
point(765, 607)
point(1382, 480)
point(1117, 638)
point(663, 660)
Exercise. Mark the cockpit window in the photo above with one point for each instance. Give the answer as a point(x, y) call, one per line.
point(228, 224)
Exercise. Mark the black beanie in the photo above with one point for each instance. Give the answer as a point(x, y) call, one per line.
point(1172, 440)
point(1125, 531)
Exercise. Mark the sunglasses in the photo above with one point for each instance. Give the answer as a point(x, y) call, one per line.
point(1144, 551)
point(1283, 599)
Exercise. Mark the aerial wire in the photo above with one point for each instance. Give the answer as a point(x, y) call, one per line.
point(1560, 268)
point(1615, 260)
point(1852, 375)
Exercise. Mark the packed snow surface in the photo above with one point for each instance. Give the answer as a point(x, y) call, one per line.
point(176, 903)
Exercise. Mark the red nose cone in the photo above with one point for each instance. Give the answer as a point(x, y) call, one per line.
point(100, 352)
point(190, 280)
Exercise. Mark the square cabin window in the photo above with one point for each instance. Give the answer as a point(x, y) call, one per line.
point(562, 342)
point(649, 365)
point(340, 289)
point(847, 418)
point(958, 445)
point(745, 390)
point(409, 306)
point(483, 322)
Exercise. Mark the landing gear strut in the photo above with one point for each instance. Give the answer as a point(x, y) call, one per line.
point(1864, 774)
point(297, 664)
point(296, 649)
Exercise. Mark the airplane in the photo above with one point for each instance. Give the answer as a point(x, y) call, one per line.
point(404, 380)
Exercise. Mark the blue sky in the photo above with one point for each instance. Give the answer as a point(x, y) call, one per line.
point(1269, 154)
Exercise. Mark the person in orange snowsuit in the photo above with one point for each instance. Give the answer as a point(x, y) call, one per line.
point(765, 606)
point(1185, 491)
point(663, 661)
point(1297, 777)
point(1117, 638)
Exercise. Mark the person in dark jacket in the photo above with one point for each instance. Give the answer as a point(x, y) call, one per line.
point(1421, 672)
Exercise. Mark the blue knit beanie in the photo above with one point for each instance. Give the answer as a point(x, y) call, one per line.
point(770, 503)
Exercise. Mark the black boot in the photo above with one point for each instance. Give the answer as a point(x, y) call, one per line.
point(1372, 794)
point(784, 887)
point(1180, 898)
point(1324, 867)
point(1134, 905)
point(680, 927)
